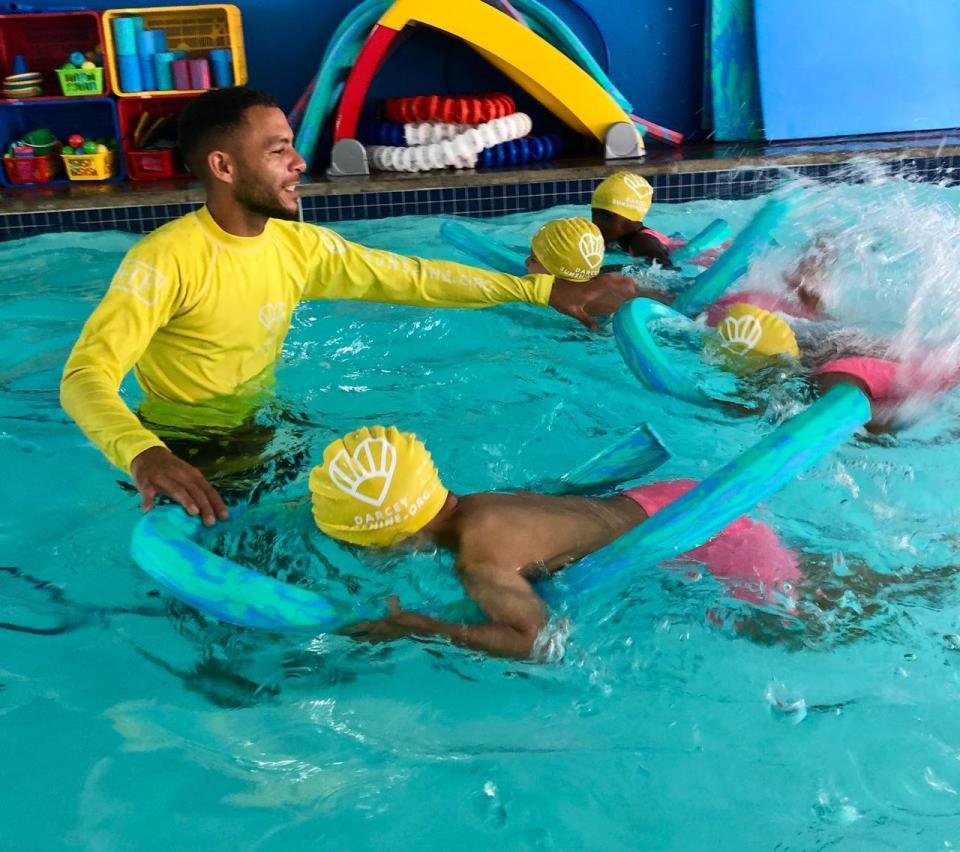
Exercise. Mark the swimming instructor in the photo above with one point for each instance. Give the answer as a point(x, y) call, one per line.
point(200, 307)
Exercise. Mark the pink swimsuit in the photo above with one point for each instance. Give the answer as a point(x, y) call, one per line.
point(889, 382)
point(746, 554)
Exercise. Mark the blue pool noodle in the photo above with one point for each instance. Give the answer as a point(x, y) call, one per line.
point(125, 36)
point(724, 496)
point(713, 282)
point(634, 455)
point(486, 249)
point(716, 233)
point(640, 352)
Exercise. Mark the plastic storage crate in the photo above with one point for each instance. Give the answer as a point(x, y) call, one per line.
point(91, 117)
point(193, 29)
point(80, 82)
point(27, 171)
point(46, 41)
point(150, 164)
point(90, 166)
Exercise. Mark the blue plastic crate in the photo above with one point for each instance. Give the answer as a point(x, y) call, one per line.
point(91, 117)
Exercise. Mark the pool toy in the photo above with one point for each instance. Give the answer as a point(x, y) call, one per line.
point(460, 151)
point(528, 149)
point(164, 542)
point(711, 237)
point(648, 362)
point(462, 109)
point(636, 454)
point(722, 497)
point(713, 282)
point(487, 249)
point(22, 84)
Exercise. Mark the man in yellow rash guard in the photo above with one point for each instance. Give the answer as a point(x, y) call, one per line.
point(200, 307)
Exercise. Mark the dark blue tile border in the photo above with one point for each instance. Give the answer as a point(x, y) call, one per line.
point(489, 200)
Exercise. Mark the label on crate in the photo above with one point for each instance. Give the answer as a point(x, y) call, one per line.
point(83, 168)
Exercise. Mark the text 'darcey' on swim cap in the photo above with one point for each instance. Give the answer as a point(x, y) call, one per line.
point(376, 486)
point(625, 194)
point(750, 334)
point(569, 248)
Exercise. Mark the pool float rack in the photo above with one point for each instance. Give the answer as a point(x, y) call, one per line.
point(542, 57)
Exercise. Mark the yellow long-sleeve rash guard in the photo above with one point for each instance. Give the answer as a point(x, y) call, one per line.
point(199, 312)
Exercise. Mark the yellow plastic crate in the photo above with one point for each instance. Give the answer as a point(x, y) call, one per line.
point(89, 166)
point(195, 29)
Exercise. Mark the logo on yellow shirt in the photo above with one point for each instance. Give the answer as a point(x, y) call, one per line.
point(273, 316)
point(140, 280)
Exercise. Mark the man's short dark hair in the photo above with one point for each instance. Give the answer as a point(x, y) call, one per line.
point(216, 113)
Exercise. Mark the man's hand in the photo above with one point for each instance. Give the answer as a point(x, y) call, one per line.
point(158, 471)
point(597, 297)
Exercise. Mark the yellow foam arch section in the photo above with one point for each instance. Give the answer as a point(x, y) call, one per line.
point(535, 65)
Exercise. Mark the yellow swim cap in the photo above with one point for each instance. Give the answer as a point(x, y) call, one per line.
point(749, 330)
point(569, 248)
point(375, 487)
point(626, 194)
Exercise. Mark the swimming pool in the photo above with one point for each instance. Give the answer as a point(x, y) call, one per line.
point(129, 722)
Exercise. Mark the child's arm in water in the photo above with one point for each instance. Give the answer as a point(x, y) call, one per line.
point(645, 244)
point(809, 276)
point(516, 613)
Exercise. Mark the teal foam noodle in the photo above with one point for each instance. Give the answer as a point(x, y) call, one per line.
point(338, 58)
point(163, 544)
point(722, 497)
point(485, 248)
point(711, 237)
point(713, 282)
point(641, 353)
point(632, 456)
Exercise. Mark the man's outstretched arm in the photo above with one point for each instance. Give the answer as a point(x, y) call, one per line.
point(516, 613)
point(345, 270)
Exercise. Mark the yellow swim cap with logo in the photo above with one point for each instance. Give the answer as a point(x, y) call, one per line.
point(569, 248)
point(376, 486)
point(624, 193)
point(747, 331)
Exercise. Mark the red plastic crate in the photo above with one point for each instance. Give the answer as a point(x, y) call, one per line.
point(32, 169)
point(46, 41)
point(150, 164)
point(154, 165)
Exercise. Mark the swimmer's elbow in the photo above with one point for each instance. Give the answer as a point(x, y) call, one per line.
point(522, 637)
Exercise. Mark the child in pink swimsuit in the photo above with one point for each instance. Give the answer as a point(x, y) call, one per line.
point(747, 555)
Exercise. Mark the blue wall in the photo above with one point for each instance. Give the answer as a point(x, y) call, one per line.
point(655, 49)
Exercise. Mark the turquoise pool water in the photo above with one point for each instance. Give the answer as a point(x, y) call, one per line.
point(676, 718)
